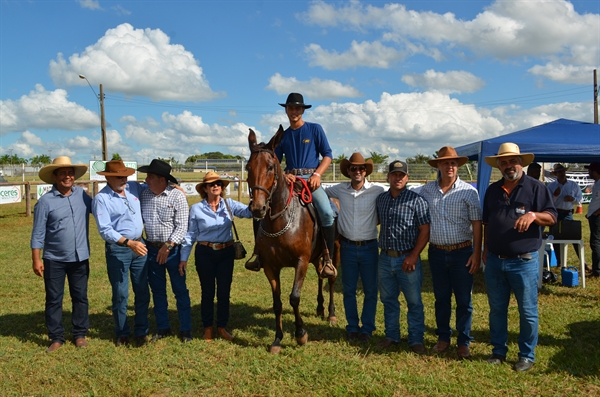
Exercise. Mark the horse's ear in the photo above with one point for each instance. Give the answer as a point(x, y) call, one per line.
point(274, 142)
point(251, 139)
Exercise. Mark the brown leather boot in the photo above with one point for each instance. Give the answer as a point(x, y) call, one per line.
point(224, 334)
point(208, 334)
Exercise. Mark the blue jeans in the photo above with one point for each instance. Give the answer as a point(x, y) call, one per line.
point(360, 261)
point(54, 282)
point(392, 281)
point(322, 204)
point(594, 222)
point(521, 277)
point(214, 267)
point(120, 263)
point(449, 274)
point(157, 278)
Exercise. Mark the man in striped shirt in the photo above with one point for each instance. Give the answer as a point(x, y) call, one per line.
point(454, 248)
point(403, 234)
point(165, 212)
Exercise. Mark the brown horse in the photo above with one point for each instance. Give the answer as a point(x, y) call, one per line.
point(288, 235)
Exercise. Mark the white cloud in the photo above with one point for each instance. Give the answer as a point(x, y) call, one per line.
point(44, 110)
point(120, 10)
point(90, 4)
point(374, 55)
point(137, 62)
point(315, 88)
point(447, 82)
point(563, 73)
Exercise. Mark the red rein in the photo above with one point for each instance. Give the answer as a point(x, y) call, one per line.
point(305, 194)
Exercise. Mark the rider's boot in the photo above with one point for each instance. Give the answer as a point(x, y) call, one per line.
point(328, 269)
point(254, 262)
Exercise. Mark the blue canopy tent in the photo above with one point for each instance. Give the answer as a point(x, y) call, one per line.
point(561, 140)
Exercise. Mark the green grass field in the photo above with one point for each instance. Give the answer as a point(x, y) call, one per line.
point(568, 359)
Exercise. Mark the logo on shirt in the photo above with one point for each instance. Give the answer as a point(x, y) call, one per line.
point(520, 210)
point(306, 141)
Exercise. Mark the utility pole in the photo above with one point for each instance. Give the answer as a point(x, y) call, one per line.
point(595, 98)
point(103, 126)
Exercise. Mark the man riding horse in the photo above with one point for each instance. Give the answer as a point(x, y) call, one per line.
point(302, 143)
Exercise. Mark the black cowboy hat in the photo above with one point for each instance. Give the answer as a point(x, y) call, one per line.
point(295, 99)
point(159, 168)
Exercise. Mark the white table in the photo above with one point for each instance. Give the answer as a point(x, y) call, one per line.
point(563, 257)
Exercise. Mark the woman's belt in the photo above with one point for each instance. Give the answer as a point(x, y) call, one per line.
point(216, 246)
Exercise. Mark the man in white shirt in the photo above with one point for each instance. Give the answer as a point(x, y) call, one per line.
point(357, 225)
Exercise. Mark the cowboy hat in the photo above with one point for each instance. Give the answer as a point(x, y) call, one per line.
point(448, 153)
point(295, 99)
point(356, 159)
point(210, 177)
point(116, 168)
point(46, 171)
point(559, 167)
point(509, 149)
point(160, 168)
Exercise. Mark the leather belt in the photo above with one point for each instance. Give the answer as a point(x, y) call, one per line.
point(396, 254)
point(564, 211)
point(301, 171)
point(526, 256)
point(158, 244)
point(452, 247)
point(357, 243)
point(216, 246)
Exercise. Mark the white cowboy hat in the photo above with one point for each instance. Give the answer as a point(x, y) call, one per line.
point(45, 173)
point(509, 149)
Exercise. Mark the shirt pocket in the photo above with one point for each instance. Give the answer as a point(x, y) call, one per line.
point(166, 214)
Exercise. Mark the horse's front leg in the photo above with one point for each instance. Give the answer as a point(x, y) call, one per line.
point(301, 268)
point(273, 277)
point(320, 300)
point(331, 284)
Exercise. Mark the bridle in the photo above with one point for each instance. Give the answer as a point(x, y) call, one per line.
point(269, 192)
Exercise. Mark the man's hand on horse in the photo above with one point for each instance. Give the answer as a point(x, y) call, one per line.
point(290, 178)
point(314, 182)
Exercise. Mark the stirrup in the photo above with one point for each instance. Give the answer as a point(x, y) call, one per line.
point(253, 263)
point(328, 269)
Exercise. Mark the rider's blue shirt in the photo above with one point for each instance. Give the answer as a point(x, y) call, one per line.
point(303, 146)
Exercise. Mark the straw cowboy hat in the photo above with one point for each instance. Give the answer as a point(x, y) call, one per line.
point(356, 159)
point(116, 168)
point(295, 99)
point(559, 167)
point(210, 177)
point(159, 168)
point(45, 173)
point(509, 149)
point(448, 153)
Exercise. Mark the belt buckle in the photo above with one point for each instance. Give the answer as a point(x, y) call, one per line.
point(392, 253)
point(214, 247)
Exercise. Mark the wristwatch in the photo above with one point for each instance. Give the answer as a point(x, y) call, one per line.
point(169, 246)
point(124, 244)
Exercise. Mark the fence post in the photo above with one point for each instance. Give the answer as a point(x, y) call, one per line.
point(27, 199)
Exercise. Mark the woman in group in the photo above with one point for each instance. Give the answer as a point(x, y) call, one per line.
point(210, 227)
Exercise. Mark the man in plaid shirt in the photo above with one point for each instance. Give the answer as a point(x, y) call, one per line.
point(403, 234)
point(165, 212)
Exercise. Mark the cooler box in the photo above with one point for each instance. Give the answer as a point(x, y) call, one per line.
point(569, 276)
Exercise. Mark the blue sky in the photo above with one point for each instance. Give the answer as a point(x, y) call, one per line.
point(188, 77)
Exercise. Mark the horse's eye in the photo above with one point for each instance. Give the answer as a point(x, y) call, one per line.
point(270, 168)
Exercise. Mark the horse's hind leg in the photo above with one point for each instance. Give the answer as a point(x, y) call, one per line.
point(301, 334)
point(320, 300)
point(332, 318)
point(273, 276)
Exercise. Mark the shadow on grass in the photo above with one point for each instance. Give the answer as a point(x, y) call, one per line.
point(580, 353)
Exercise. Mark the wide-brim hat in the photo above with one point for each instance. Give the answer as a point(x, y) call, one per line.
point(509, 149)
point(210, 177)
point(356, 159)
point(116, 168)
point(559, 167)
point(46, 171)
point(448, 153)
point(295, 99)
point(160, 168)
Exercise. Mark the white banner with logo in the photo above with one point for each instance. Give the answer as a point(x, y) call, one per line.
point(189, 188)
point(43, 189)
point(10, 194)
point(99, 165)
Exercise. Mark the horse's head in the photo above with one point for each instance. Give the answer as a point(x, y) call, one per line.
point(264, 172)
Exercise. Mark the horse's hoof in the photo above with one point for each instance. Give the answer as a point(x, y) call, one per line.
point(321, 314)
point(332, 320)
point(303, 339)
point(275, 349)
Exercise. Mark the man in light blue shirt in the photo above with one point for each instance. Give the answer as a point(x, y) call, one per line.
point(119, 219)
point(61, 228)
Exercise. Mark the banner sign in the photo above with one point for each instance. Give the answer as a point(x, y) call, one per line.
point(10, 194)
point(189, 189)
point(100, 165)
point(43, 189)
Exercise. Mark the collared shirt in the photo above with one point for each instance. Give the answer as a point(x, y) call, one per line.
point(302, 147)
point(118, 216)
point(165, 215)
point(61, 225)
point(451, 213)
point(400, 219)
point(358, 212)
point(208, 225)
point(501, 210)
point(570, 188)
point(595, 202)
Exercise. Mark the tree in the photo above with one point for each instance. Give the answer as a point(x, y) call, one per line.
point(116, 156)
point(339, 158)
point(418, 159)
point(41, 159)
point(378, 158)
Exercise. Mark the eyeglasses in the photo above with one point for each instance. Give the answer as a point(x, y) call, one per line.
point(129, 207)
point(217, 183)
point(357, 168)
